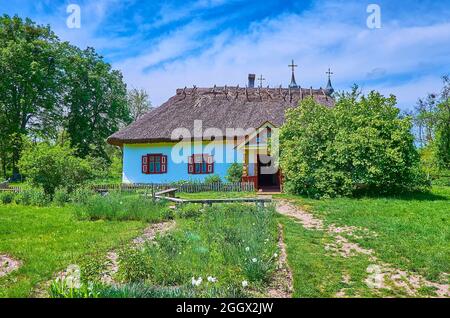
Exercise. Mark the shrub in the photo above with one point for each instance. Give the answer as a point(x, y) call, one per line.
point(362, 144)
point(234, 173)
point(33, 196)
point(51, 167)
point(61, 197)
point(118, 206)
point(7, 197)
point(213, 179)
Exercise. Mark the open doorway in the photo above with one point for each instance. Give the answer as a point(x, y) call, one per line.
point(267, 182)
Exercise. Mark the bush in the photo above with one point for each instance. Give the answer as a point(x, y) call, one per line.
point(213, 179)
point(118, 206)
point(7, 197)
point(61, 197)
point(234, 173)
point(51, 167)
point(33, 196)
point(362, 144)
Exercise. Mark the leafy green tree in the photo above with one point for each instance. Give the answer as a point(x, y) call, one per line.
point(54, 166)
point(96, 101)
point(443, 127)
point(361, 144)
point(30, 78)
point(138, 103)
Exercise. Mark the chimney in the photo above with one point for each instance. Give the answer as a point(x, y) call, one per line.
point(251, 80)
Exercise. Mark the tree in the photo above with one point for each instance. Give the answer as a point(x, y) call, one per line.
point(96, 101)
point(362, 144)
point(30, 78)
point(53, 166)
point(234, 173)
point(432, 117)
point(138, 103)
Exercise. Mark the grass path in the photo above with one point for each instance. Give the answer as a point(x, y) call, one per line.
point(328, 261)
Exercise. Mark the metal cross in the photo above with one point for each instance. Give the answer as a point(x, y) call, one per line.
point(293, 66)
point(261, 79)
point(329, 73)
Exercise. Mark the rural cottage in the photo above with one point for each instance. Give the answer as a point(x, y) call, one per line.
point(202, 131)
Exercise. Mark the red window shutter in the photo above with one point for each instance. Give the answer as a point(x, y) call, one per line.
point(191, 164)
point(145, 168)
point(163, 164)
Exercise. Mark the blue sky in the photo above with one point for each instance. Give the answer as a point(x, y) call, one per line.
point(164, 45)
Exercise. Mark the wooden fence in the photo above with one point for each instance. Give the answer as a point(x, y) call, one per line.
point(185, 188)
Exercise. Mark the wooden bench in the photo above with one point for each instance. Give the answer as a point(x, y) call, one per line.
point(259, 201)
point(169, 193)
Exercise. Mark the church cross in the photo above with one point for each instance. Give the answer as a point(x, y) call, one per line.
point(293, 66)
point(261, 79)
point(329, 73)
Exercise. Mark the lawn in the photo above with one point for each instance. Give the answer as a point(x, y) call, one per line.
point(412, 233)
point(47, 240)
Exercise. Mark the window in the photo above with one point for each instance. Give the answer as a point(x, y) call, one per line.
point(154, 164)
point(200, 164)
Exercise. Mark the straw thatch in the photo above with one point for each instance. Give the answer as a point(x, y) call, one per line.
point(218, 107)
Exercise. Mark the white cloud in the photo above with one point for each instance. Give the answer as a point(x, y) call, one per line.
point(314, 39)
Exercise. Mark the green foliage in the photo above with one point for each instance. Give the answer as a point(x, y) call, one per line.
point(81, 195)
point(61, 197)
point(138, 103)
point(231, 243)
point(362, 144)
point(6, 197)
point(60, 289)
point(134, 266)
point(33, 196)
point(119, 207)
point(51, 167)
point(234, 173)
point(213, 179)
point(190, 210)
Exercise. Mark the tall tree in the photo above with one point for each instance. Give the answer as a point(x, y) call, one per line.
point(96, 102)
point(30, 77)
point(138, 103)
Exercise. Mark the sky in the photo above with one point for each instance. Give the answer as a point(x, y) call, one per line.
point(164, 45)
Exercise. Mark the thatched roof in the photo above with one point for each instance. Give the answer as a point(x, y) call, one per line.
point(218, 107)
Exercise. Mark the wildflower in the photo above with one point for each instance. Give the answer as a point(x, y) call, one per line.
point(196, 282)
point(254, 260)
point(244, 283)
point(212, 279)
point(275, 255)
point(247, 249)
point(120, 202)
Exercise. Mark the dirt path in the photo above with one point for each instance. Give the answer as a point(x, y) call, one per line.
point(8, 264)
point(381, 275)
point(281, 286)
point(112, 258)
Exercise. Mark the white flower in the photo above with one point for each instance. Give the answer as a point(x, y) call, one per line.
point(247, 249)
point(212, 279)
point(244, 283)
point(275, 255)
point(196, 282)
point(254, 260)
point(120, 202)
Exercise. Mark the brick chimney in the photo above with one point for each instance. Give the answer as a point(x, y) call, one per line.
point(251, 80)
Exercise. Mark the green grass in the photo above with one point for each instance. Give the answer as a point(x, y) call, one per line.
point(233, 243)
point(413, 234)
point(47, 240)
point(122, 207)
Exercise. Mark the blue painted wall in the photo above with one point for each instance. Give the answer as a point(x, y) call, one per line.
point(224, 156)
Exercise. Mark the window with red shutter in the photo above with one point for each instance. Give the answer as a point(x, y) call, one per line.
point(154, 164)
point(200, 164)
